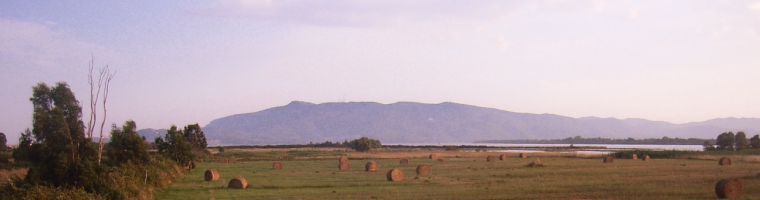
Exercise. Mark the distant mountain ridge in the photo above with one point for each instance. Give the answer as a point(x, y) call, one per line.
point(408, 122)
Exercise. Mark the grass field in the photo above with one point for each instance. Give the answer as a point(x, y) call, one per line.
point(467, 177)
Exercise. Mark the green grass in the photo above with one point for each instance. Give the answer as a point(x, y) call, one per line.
point(463, 178)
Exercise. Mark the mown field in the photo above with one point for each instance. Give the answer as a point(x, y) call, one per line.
point(463, 175)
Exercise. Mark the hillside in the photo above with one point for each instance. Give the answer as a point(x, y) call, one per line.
point(406, 122)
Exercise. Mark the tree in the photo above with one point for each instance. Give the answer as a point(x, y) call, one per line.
point(60, 154)
point(3, 142)
point(708, 146)
point(754, 142)
point(126, 145)
point(741, 142)
point(195, 136)
point(725, 141)
point(21, 153)
point(365, 144)
point(175, 146)
point(104, 78)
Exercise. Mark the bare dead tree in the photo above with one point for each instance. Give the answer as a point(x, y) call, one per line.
point(94, 95)
point(104, 78)
point(106, 73)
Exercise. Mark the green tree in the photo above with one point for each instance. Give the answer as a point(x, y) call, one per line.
point(365, 144)
point(725, 141)
point(741, 142)
point(21, 153)
point(195, 136)
point(60, 155)
point(708, 146)
point(126, 145)
point(175, 146)
point(754, 142)
point(3, 142)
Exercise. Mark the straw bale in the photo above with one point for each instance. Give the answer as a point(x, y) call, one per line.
point(724, 161)
point(371, 166)
point(344, 166)
point(729, 188)
point(423, 169)
point(238, 183)
point(211, 175)
point(395, 174)
point(277, 165)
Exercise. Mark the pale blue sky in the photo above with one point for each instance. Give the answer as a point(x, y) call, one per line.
point(674, 61)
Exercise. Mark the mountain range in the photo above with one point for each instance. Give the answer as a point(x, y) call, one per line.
point(443, 123)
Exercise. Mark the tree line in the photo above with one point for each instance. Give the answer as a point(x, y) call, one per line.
point(63, 160)
point(362, 144)
point(728, 141)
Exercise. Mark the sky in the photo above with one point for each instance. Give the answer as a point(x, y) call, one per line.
point(178, 64)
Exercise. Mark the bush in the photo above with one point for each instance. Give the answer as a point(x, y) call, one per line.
point(365, 144)
point(451, 148)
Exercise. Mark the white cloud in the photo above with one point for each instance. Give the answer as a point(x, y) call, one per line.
point(600, 5)
point(755, 6)
point(634, 13)
point(503, 43)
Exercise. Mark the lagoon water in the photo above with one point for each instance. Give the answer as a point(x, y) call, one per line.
point(603, 148)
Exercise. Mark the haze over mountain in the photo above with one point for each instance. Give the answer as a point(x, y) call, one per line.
point(407, 122)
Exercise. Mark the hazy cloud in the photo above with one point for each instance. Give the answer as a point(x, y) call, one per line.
point(755, 6)
point(351, 13)
point(634, 13)
point(40, 44)
point(503, 43)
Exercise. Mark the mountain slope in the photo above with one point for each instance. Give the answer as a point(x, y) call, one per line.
point(406, 122)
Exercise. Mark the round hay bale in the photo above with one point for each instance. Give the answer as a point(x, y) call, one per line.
point(490, 158)
point(634, 157)
point(371, 166)
point(343, 159)
point(523, 155)
point(423, 169)
point(609, 159)
point(724, 161)
point(535, 163)
point(432, 156)
point(646, 158)
point(232, 160)
point(395, 174)
point(403, 161)
point(238, 183)
point(211, 175)
point(344, 166)
point(223, 160)
point(503, 157)
point(729, 188)
point(277, 165)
